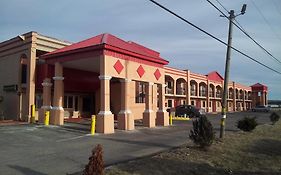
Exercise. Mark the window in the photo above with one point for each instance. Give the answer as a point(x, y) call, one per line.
point(184, 102)
point(204, 104)
point(193, 90)
point(140, 92)
point(202, 91)
point(170, 103)
point(211, 92)
point(23, 73)
point(68, 102)
point(192, 102)
point(210, 104)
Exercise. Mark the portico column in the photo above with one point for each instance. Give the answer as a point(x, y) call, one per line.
point(148, 115)
point(244, 102)
point(105, 119)
point(57, 112)
point(208, 97)
point(46, 99)
point(187, 91)
point(234, 97)
point(162, 116)
point(125, 116)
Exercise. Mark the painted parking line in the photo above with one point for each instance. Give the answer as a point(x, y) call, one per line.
point(74, 138)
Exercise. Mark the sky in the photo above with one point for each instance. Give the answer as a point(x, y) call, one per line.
point(143, 22)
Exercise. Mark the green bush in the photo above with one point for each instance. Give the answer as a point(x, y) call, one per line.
point(247, 123)
point(274, 117)
point(202, 133)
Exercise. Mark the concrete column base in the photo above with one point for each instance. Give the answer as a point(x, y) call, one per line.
point(149, 119)
point(57, 117)
point(162, 118)
point(105, 123)
point(126, 121)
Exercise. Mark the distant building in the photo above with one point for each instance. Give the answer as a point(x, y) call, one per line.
point(104, 75)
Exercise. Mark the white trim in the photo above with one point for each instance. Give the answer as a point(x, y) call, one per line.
point(58, 78)
point(125, 80)
point(57, 108)
point(150, 83)
point(46, 84)
point(148, 111)
point(46, 107)
point(105, 113)
point(125, 111)
point(161, 110)
point(105, 77)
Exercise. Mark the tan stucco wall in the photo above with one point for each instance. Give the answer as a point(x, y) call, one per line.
point(130, 70)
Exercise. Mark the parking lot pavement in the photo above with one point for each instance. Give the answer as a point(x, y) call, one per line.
point(36, 149)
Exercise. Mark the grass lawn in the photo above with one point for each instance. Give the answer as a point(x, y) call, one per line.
point(254, 153)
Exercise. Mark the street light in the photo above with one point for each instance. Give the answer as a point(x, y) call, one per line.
point(227, 64)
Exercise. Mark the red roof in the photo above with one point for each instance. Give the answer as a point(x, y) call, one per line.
point(107, 39)
point(214, 76)
point(259, 86)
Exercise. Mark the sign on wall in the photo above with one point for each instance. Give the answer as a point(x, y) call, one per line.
point(10, 88)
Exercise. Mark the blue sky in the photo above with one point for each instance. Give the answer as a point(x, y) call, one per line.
point(143, 22)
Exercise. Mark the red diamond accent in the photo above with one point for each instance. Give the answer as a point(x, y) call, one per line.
point(118, 67)
point(140, 71)
point(157, 74)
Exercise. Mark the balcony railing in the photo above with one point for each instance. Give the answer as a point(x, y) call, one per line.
point(180, 91)
point(169, 91)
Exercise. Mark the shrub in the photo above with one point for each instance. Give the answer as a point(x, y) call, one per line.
point(274, 117)
point(247, 123)
point(202, 133)
point(96, 164)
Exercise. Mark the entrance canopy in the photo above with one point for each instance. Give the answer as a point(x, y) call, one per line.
point(81, 55)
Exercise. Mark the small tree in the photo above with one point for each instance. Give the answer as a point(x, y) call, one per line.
point(202, 133)
point(96, 164)
point(274, 117)
point(247, 124)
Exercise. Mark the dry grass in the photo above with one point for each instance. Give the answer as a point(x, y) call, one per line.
point(257, 152)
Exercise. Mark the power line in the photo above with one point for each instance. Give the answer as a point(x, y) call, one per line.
point(212, 36)
point(243, 30)
point(266, 21)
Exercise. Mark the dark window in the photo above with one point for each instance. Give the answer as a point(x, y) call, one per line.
point(23, 73)
point(170, 103)
point(140, 92)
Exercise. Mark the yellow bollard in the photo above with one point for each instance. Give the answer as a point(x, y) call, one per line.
point(47, 118)
point(93, 125)
point(171, 120)
point(32, 120)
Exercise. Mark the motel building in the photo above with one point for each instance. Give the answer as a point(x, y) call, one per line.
point(118, 81)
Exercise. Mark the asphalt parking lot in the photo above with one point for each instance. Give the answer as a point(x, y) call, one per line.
point(36, 149)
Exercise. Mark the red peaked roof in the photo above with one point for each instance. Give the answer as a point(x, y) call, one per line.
point(110, 40)
point(214, 76)
point(259, 87)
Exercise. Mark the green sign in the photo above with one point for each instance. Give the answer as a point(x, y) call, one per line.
point(10, 88)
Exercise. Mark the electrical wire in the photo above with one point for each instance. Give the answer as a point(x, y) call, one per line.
point(243, 30)
point(212, 36)
point(266, 21)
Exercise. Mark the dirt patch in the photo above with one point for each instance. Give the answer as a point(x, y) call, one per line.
point(254, 153)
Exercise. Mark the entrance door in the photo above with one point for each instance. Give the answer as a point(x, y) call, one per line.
point(214, 106)
point(88, 106)
point(198, 103)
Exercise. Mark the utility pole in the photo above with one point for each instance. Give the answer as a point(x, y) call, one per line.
point(226, 73)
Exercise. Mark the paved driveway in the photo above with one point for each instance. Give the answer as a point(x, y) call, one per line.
point(35, 149)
